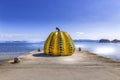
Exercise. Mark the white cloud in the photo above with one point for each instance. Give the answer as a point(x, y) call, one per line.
point(80, 33)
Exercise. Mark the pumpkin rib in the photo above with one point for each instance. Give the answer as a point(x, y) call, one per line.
point(61, 46)
point(66, 45)
point(47, 43)
point(51, 45)
point(72, 44)
point(55, 50)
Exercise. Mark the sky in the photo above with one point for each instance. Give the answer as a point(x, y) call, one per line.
point(34, 20)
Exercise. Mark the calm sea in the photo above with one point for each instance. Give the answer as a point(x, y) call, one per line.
point(110, 50)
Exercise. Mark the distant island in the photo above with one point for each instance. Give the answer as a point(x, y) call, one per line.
point(85, 40)
point(108, 41)
point(15, 41)
point(21, 42)
point(115, 41)
point(98, 41)
point(104, 41)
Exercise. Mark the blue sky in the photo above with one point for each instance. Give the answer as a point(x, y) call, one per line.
point(33, 20)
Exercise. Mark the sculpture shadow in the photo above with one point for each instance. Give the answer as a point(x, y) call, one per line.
point(42, 55)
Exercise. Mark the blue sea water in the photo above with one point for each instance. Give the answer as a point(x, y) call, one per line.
point(17, 49)
point(110, 50)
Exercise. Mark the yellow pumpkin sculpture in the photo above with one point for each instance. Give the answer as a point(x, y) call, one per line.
point(59, 43)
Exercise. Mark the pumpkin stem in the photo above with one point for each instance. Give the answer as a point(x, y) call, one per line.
point(57, 29)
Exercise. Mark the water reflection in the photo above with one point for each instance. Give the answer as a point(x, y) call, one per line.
point(105, 50)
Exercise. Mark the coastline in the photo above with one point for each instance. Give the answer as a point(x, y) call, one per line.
point(80, 66)
point(22, 57)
